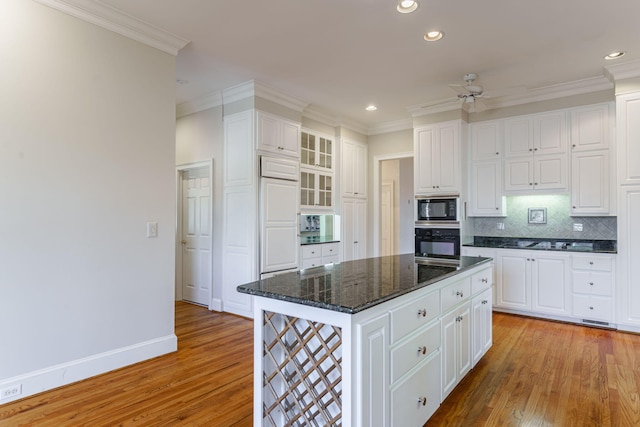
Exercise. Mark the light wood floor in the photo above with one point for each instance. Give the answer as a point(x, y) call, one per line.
point(537, 373)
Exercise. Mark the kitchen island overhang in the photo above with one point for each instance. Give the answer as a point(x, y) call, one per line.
point(327, 339)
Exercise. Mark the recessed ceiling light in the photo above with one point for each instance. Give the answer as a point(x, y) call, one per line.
point(371, 108)
point(434, 36)
point(615, 55)
point(407, 6)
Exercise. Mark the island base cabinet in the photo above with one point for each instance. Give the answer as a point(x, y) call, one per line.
point(456, 347)
point(416, 398)
point(373, 339)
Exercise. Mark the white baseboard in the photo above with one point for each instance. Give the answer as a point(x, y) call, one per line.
point(216, 304)
point(67, 373)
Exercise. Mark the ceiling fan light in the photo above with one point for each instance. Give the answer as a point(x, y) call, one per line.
point(434, 36)
point(469, 99)
point(615, 55)
point(371, 108)
point(407, 6)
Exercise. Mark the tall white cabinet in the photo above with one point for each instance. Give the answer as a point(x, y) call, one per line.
point(436, 157)
point(485, 178)
point(353, 183)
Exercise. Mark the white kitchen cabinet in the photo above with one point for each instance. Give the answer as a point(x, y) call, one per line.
point(628, 283)
point(316, 190)
point(536, 173)
point(486, 140)
point(590, 182)
point(593, 278)
point(437, 164)
point(627, 137)
point(316, 150)
point(540, 134)
point(485, 189)
point(278, 135)
point(373, 344)
point(354, 229)
point(482, 336)
point(456, 346)
point(533, 281)
point(353, 179)
point(590, 129)
point(320, 254)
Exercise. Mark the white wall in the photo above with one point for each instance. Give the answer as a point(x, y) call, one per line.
point(87, 157)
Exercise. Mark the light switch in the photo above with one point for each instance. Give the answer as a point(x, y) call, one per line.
point(152, 229)
point(577, 227)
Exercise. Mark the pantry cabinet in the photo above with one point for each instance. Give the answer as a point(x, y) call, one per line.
point(354, 169)
point(437, 167)
point(354, 230)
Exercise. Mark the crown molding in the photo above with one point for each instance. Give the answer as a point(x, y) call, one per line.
point(622, 71)
point(394, 126)
point(434, 107)
point(110, 18)
point(199, 104)
point(253, 88)
point(314, 113)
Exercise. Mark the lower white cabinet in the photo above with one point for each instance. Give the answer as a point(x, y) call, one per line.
point(628, 281)
point(320, 254)
point(354, 229)
point(593, 287)
point(373, 344)
point(482, 336)
point(456, 347)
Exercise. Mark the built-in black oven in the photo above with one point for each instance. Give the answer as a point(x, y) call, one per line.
point(436, 209)
point(437, 242)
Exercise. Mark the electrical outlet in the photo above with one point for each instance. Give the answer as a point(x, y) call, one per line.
point(11, 391)
point(577, 227)
point(152, 229)
point(500, 226)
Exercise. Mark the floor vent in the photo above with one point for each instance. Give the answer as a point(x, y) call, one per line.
point(597, 323)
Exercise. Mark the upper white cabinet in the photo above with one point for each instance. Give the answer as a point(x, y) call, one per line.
point(535, 173)
point(628, 135)
point(590, 128)
point(316, 189)
point(316, 150)
point(485, 178)
point(590, 182)
point(278, 135)
point(437, 167)
point(354, 169)
point(536, 134)
point(486, 140)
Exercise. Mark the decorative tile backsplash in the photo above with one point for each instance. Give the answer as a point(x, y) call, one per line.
point(559, 222)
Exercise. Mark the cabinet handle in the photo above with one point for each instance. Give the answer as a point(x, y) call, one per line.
point(460, 294)
point(590, 262)
point(535, 183)
point(531, 183)
point(484, 280)
point(422, 349)
point(484, 301)
point(422, 401)
point(497, 153)
point(573, 207)
point(530, 149)
point(574, 145)
point(591, 283)
point(535, 149)
point(591, 308)
point(355, 242)
point(422, 312)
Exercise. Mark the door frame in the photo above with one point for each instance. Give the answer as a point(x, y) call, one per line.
point(376, 194)
point(180, 169)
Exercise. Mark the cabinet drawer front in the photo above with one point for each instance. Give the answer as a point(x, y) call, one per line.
point(455, 293)
point(330, 249)
point(592, 283)
point(311, 262)
point(417, 398)
point(590, 262)
point(593, 307)
point(311, 251)
point(334, 259)
point(481, 281)
point(276, 167)
point(413, 315)
point(415, 349)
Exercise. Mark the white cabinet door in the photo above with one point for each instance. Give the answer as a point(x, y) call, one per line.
point(628, 135)
point(518, 174)
point(550, 278)
point(316, 190)
point(354, 217)
point(590, 128)
point(316, 150)
point(518, 136)
point(278, 135)
point(482, 336)
point(371, 392)
point(486, 140)
point(535, 173)
point(437, 158)
point(628, 285)
point(279, 242)
point(456, 347)
point(513, 284)
point(590, 182)
point(550, 133)
point(485, 188)
point(354, 169)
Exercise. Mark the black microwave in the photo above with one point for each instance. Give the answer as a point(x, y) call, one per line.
point(437, 209)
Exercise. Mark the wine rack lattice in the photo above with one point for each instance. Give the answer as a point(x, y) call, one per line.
point(302, 372)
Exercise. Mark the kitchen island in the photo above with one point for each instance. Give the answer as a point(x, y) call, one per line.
point(372, 342)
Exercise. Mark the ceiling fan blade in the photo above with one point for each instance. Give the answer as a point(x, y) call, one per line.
point(459, 89)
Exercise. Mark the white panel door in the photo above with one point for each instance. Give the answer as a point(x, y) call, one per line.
point(514, 288)
point(550, 283)
point(280, 244)
point(196, 236)
point(590, 188)
point(446, 163)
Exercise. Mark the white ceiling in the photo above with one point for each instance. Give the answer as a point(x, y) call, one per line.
point(341, 55)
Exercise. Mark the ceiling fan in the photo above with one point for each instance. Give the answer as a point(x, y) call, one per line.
point(470, 93)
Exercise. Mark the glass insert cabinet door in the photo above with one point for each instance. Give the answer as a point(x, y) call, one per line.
point(316, 189)
point(316, 151)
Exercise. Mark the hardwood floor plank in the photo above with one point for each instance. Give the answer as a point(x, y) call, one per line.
point(538, 373)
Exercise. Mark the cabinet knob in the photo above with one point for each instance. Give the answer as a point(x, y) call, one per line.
point(591, 283)
point(355, 242)
point(574, 145)
point(422, 312)
point(497, 209)
point(422, 401)
point(573, 207)
point(497, 153)
point(535, 183)
point(530, 149)
point(531, 183)
point(484, 280)
point(484, 301)
point(460, 294)
point(423, 349)
point(535, 149)
point(591, 308)
point(590, 262)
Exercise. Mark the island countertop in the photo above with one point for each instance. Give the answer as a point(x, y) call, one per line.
point(354, 286)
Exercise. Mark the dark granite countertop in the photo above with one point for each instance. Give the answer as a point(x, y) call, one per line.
point(531, 243)
point(354, 286)
point(317, 240)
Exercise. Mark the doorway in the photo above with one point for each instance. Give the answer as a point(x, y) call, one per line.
point(194, 237)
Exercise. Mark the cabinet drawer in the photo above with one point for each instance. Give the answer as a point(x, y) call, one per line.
point(481, 281)
point(417, 398)
point(455, 293)
point(334, 259)
point(312, 262)
point(592, 262)
point(593, 307)
point(414, 349)
point(592, 283)
point(330, 249)
point(311, 251)
point(413, 315)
